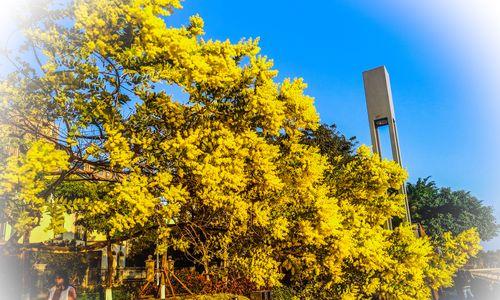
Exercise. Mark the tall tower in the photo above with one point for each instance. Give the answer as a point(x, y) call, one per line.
point(381, 113)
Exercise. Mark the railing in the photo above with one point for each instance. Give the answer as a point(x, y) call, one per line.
point(123, 274)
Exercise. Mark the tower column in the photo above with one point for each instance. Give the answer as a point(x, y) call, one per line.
point(381, 113)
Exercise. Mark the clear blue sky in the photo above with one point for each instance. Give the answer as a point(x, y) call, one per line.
point(438, 55)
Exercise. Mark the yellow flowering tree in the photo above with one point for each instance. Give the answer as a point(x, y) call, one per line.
point(225, 176)
point(374, 261)
point(24, 183)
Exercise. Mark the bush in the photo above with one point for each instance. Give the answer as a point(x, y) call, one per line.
point(201, 284)
point(283, 293)
point(212, 297)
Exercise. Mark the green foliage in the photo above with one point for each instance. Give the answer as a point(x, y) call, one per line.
point(56, 213)
point(331, 143)
point(283, 293)
point(486, 260)
point(442, 210)
point(82, 197)
point(74, 265)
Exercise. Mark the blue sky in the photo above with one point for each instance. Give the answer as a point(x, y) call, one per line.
point(442, 77)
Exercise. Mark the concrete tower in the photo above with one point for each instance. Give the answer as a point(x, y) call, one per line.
point(381, 113)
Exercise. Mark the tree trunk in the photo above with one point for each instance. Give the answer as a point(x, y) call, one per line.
point(109, 274)
point(165, 276)
point(26, 268)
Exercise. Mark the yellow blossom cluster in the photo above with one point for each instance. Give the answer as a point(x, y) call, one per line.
point(24, 178)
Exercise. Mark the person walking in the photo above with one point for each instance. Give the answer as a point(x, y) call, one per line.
point(62, 290)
